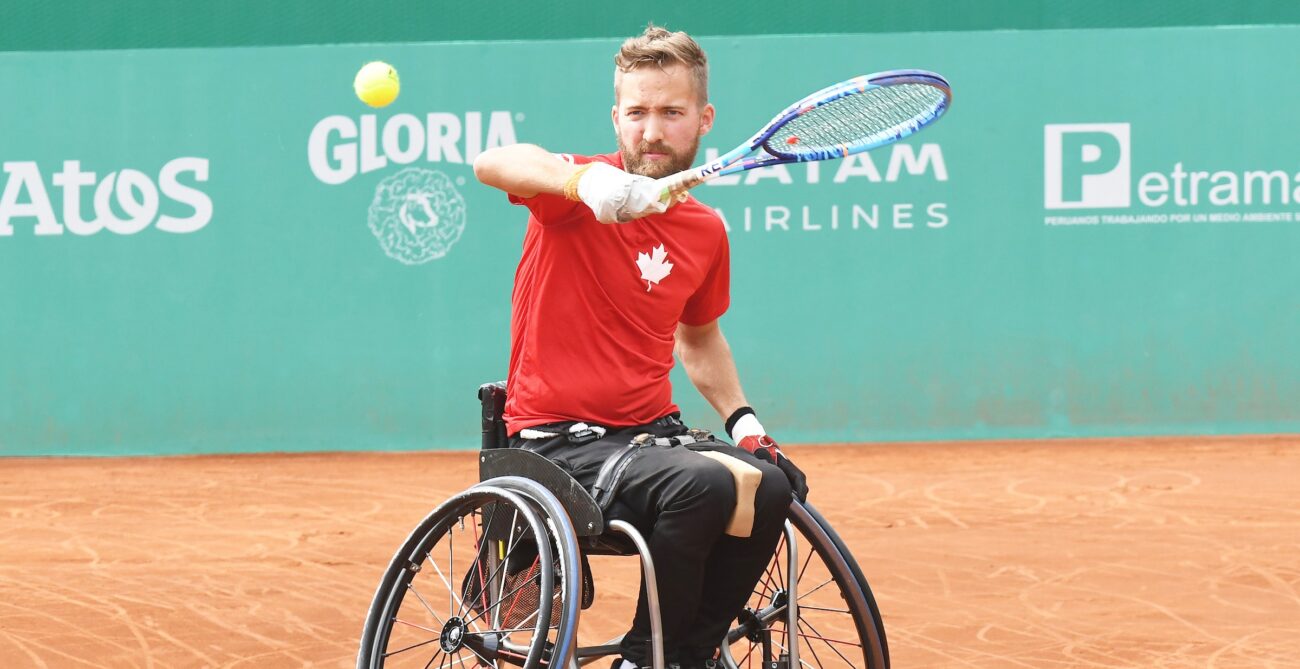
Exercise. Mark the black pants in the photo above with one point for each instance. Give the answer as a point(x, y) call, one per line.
point(681, 502)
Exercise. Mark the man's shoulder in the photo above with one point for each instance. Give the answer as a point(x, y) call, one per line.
point(699, 213)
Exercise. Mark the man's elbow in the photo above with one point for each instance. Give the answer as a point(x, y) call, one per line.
point(487, 167)
point(681, 347)
point(691, 338)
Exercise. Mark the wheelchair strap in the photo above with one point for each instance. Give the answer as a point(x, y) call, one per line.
point(611, 473)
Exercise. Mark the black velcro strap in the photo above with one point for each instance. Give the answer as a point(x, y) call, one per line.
point(736, 416)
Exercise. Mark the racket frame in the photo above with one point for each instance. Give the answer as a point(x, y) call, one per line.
point(739, 158)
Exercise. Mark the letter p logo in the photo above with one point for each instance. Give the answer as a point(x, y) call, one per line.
point(1086, 165)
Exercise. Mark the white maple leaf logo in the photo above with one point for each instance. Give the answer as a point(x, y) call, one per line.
point(654, 266)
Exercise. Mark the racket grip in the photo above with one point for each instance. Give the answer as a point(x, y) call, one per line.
point(675, 186)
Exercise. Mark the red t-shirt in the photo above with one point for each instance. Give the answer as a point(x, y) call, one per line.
point(596, 307)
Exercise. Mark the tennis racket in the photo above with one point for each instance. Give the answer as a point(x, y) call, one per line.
point(850, 117)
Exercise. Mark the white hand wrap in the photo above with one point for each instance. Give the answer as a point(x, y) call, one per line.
point(643, 200)
point(616, 196)
point(747, 426)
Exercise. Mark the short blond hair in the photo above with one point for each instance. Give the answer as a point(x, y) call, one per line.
point(661, 47)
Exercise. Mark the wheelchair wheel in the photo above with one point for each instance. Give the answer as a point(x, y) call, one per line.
point(838, 625)
point(857, 573)
point(477, 583)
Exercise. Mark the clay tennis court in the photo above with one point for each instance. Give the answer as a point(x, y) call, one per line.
point(1103, 553)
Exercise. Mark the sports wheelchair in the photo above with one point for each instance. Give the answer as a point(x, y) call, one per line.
point(498, 575)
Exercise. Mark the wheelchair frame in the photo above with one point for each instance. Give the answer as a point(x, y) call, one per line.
point(560, 520)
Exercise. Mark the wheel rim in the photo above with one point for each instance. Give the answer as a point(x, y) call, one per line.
point(831, 631)
point(473, 592)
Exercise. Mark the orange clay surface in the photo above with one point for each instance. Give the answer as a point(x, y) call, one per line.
point(1103, 553)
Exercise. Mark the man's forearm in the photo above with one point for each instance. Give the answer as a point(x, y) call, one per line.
point(710, 367)
point(524, 170)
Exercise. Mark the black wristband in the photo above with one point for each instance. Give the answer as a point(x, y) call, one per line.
point(736, 415)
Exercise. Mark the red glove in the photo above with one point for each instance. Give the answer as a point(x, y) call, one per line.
point(764, 448)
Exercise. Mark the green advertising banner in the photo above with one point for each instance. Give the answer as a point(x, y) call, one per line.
point(215, 250)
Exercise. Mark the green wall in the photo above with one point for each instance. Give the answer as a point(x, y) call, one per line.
point(95, 24)
point(1015, 271)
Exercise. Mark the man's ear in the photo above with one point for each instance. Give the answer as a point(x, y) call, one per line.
point(706, 119)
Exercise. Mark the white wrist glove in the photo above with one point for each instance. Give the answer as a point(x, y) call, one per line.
point(616, 196)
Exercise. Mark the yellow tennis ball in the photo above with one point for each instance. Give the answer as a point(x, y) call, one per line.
point(377, 84)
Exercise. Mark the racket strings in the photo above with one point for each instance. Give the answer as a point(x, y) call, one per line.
point(857, 119)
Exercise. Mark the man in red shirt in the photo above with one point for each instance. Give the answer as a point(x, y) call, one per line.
point(611, 284)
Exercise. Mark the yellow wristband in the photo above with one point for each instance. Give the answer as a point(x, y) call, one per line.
point(571, 186)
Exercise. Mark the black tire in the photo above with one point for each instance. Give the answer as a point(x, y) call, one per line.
point(568, 560)
point(483, 573)
point(857, 573)
point(838, 624)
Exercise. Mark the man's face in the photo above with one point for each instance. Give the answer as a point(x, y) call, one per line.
point(659, 120)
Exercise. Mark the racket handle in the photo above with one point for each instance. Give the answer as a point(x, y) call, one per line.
point(675, 186)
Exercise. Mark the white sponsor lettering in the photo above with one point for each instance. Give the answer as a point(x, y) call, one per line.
point(1087, 166)
point(340, 147)
point(778, 218)
point(129, 192)
point(905, 160)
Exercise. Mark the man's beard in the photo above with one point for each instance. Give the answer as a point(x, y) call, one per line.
point(635, 163)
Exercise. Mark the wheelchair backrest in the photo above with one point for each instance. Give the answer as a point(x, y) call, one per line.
point(492, 397)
